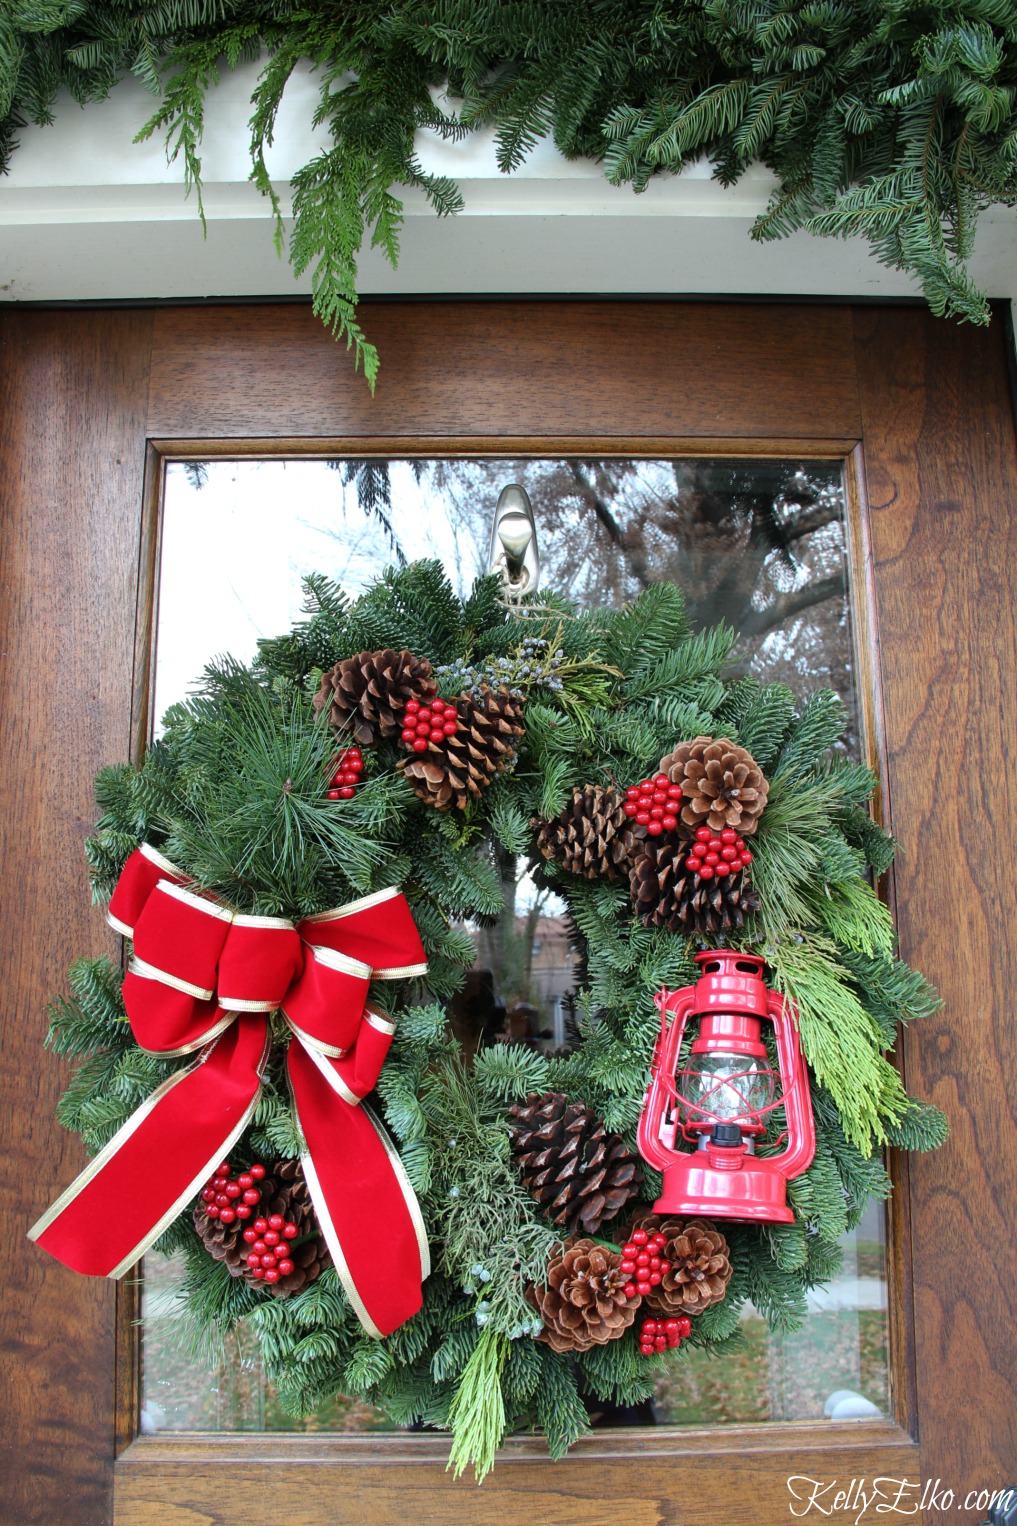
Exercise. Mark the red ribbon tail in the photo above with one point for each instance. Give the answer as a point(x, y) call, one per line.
point(360, 1191)
point(151, 1169)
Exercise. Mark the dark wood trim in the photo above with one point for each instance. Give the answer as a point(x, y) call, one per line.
point(940, 462)
point(681, 1477)
point(511, 447)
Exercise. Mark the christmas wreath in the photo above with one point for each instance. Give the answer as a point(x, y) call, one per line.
point(482, 1241)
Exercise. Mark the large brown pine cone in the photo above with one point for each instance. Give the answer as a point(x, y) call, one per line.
point(592, 836)
point(584, 1303)
point(578, 1173)
point(370, 691)
point(459, 767)
point(722, 784)
point(667, 894)
point(700, 1269)
point(283, 1190)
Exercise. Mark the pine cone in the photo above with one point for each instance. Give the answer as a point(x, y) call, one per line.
point(284, 1191)
point(591, 837)
point(722, 784)
point(700, 1269)
point(667, 894)
point(584, 1303)
point(578, 1173)
point(371, 690)
point(463, 765)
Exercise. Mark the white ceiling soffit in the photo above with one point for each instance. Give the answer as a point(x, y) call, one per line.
point(87, 214)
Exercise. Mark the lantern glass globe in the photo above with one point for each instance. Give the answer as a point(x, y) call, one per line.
point(731, 1088)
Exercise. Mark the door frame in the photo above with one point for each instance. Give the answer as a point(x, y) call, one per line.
point(94, 401)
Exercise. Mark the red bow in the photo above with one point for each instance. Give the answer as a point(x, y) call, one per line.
point(204, 978)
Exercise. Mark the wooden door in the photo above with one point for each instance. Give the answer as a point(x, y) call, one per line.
point(93, 401)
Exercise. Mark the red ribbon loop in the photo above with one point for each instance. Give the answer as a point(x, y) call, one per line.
point(203, 977)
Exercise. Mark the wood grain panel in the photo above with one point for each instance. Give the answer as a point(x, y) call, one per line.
point(730, 1476)
point(72, 400)
point(941, 471)
point(581, 368)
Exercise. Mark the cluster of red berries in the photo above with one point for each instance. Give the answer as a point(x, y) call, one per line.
point(712, 855)
point(269, 1255)
point(642, 1261)
point(227, 1198)
point(662, 1334)
point(433, 722)
point(654, 804)
point(349, 765)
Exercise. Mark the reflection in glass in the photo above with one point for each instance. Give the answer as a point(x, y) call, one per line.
point(759, 544)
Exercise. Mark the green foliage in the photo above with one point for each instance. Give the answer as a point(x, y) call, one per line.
point(893, 120)
point(236, 794)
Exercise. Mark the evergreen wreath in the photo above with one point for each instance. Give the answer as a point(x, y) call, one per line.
point(891, 119)
point(237, 791)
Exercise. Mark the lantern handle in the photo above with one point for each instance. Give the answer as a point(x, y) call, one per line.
point(659, 1093)
point(801, 1127)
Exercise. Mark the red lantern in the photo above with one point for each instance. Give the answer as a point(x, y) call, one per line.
point(719, 1102)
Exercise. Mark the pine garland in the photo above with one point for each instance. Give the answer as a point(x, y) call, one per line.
point(235, 792)
point(894, 120)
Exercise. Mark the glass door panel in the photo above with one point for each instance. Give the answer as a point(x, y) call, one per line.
point(760, 544)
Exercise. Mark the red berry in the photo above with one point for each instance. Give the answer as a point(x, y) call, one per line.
point(649, 1327)
point(658, 798)
point(271, 1275)
point(713, 859)
point(276, 1221)
point(438, 734)
point(420, 745)
point(347, 792)
point(223, 1168)
point(642, 1288)
point(290, 1230)
point(260, 1247)
point(672, 1327)
point(643, 1258)
point(333, 794)
point(629, 1249)
point(212, 1211)
point(423, 728)
point(729, 853)
point(450, 728)
point(208, 1196)
point(423, 714)
point(706, 872)
point(232, 1189)
point(746, 858)
point(729, 835)
point(693, 864)
point(245, 1179)
point(659, 1239)
point(630, 1290)
point(674, 792)
point(656, 812)
point(686, 1326)
point(646, 1350)
point(703, 834)
point(669, 823)
point(715, 844)
point(284, 1267)
point(253, 1259)
point(632, 792)
point(630, 808)
point(272, 1237)
point(655, 1279)
point(654, 1263)
point(348, 776)
point(257, 1271)
point(646, 788)
point(221, 1200)
point(723, 870)
point(261, 1225)
point(409, 734)
point(268, 1260)
point(639, 1237)
point(252, 1196)
point(660, 1343)
point(258, 1172)
point(643, 818)
point(250, 1235)
point(654, 829)
point(661, 781)
point(228, 1215)
point(627, 1268)
point(412, 706)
